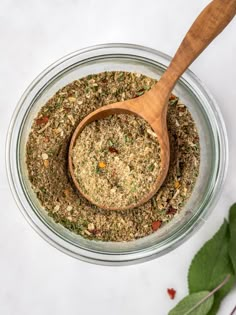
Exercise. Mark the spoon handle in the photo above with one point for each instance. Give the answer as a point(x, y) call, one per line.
point(211, 21)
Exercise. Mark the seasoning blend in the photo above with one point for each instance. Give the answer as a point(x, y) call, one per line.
point(47, 150)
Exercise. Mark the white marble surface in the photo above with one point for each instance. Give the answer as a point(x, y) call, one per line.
point(37, 279)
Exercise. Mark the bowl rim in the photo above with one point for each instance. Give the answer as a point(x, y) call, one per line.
point(127, 258)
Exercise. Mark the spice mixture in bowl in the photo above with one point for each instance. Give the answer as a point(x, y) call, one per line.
point(109, 164)
point(117, 154)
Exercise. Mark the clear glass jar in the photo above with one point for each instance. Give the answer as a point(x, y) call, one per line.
point(213, 140)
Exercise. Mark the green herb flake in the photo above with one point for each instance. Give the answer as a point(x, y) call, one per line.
point(139, 93)
point(97, 169)
point(174, 102)
point(151, 167)
point(120, 77)
point(127, 139)
point(154, 203)
point(110, 143)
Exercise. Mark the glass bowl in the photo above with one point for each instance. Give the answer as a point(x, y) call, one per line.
point(213, 140)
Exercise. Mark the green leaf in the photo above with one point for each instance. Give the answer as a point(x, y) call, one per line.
point(184, 306)
point(232, 230)
point(220, 295)
point(211, 265)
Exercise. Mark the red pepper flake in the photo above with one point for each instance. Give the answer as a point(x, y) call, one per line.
point(67, 109)
point(113, 150)
point(42, 120)
point(96, 232)
point(171, 293)
point(104, 80)
point(113, 174)
point(171, 210)
point(172, 97)
point(156, 225)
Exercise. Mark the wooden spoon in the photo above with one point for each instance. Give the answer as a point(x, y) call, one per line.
point(152, 106)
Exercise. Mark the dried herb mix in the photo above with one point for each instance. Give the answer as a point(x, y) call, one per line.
point(47, 149)
point(116, 160)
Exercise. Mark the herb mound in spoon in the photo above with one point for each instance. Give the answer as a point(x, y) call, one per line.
point(116, 160)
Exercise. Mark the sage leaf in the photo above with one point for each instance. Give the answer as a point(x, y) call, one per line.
point(187, 305)
point(220, 292)
point(219, 297)
point(211, 265)
point(232, 230)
